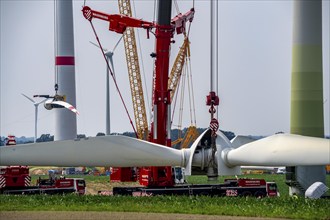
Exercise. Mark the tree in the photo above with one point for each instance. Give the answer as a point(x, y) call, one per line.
point(45, 138)
point(79, 136)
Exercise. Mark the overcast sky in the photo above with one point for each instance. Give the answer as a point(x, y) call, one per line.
point(255, 41)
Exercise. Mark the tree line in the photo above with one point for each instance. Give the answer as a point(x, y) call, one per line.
point(48, 137)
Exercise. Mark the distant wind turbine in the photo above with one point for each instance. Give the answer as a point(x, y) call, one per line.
point(36, 104)
point(109, 55)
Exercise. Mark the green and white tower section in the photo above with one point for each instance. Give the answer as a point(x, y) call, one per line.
point(306, 87)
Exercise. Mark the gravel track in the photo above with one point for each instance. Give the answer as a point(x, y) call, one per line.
point(49, 215)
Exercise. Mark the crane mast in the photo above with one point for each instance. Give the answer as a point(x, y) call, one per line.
point(134, 73)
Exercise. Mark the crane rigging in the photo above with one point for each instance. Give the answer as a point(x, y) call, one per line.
point(175, 79)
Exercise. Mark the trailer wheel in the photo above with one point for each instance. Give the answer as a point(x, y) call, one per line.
point(259, 194)
point(246, 193)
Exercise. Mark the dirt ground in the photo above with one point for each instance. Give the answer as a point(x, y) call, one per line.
point(38, 215)
point(92, 188)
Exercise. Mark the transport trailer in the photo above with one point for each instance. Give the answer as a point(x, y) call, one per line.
point(16, 180)
point(230, 187)
point(32, 190)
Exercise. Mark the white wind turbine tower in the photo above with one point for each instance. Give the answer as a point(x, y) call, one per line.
point(36, 105)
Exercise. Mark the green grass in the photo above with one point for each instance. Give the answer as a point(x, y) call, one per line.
point(281, 207)
point(284, 207)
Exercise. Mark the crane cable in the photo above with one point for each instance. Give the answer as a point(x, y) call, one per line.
point(190, 86)
point(114, 79)
point(183, 86)
point(177, 7)
point(55, 50)
point(187, 72)
point(191, 81)
point(151, 115)
point(187, 78)
point(217, 55)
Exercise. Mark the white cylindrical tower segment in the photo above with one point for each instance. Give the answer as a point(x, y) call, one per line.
point(65, 121)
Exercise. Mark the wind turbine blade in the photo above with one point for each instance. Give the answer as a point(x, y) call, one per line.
point(41, 102)
point(105, 50)
point(113, 50)
point(112, 150)
point(281, 150)
point(66, 105)
point(28, 98)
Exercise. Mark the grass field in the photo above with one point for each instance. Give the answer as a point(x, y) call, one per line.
point(281, 207)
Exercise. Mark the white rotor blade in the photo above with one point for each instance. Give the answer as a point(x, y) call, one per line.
point(281, 150)
point(41, 102)
point(28, 98)
point(66, 105)
point(96, 45)
point(113, 150)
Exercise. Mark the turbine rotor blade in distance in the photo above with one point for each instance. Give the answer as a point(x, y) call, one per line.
point(28, 97)
point(96, 45)
point(38, 103)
